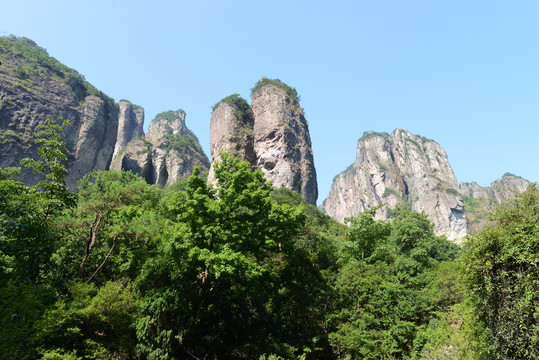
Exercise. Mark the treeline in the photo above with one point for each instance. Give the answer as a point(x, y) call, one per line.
point(239, 270)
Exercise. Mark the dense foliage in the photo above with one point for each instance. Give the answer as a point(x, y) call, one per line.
point(502, 274)
point(239, 270)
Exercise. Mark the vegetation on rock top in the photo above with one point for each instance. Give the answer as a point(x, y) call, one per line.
point(242, 110)
point(185, 143)
point(370, 134)
point(25, 61)
point(169, 116)
point(290, 91)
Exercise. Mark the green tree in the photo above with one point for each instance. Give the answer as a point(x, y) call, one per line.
point(28, 239)
point(94, 323)
point(382, 285)
point(211, 289)
point(110, 230)
point(503, 280)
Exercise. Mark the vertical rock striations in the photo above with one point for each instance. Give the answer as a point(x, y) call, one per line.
point(130, 125)
point(95, 140)
point(399, 168)
point(272, 135)
point(281, 138)
point(34, 87)
point(167, 153)
point(102, 135)
point(231, 131)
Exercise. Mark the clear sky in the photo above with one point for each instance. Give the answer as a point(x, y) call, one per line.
point(464, 73)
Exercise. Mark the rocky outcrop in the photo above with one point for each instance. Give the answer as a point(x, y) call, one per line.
point(130, 125)
point(479, 201)
point(231, 131)
point(95, 140)
point(167, 153)
point(398, 168)
point(102, 135)
point(282, 141)
point(273, 135)
point(34, 87)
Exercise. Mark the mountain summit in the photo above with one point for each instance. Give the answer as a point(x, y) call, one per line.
point(396, 169)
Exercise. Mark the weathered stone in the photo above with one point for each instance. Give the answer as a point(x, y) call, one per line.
point(130, 124)
point(168, 123)
point(168, 153)
point(398, 168)
point(29, 97)
point(96, 139)
point(282, 143)
point(481, 200)
point(231, 132)
point(136, 157)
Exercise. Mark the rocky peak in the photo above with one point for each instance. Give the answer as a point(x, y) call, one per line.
point(480, 200)
point(232, 125)
point(398, 168)
point(168, 123)
point(271, 134)
point(167, 153)
point(130, 124)
point(281, 138)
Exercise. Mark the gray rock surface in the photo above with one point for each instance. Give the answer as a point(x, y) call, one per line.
point(231, 132)
point(479, 201)
point(136, 157)
point(33, 90)
point(282, 142)
point(168, 153)
point(398, 168)
point(94, 142)
point(130, 124)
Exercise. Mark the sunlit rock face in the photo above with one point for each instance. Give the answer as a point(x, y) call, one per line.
point(231, 131)
point(167, 153)
point(272, 134)
point(398, 168)
point(282, 142)
point(130, 125)
point(35, 87)
point(481, 200)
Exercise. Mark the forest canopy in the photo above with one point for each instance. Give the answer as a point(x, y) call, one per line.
point(240, 270)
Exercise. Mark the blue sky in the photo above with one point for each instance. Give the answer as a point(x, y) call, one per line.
point(464, 73)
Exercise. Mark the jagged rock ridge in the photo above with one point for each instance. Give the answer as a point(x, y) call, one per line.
point(167, 153)
point(480, 200)
point(279, 134)
point(398, 168)
point(35, 86)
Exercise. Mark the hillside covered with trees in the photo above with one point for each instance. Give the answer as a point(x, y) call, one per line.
point(240, 270)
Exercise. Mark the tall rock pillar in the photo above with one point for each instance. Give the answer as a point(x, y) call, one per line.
point(281, 139)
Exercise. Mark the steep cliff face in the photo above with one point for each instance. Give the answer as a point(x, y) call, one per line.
point(34, 87)
point(271, 134)
point(231, 131)
point(398, 168)
point(94, 140)
point(480, 200)
point(130, 124)
point(167, 153)
point(281, 139)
